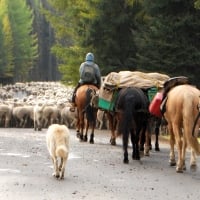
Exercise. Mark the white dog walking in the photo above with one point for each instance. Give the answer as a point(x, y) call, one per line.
point(57, 139)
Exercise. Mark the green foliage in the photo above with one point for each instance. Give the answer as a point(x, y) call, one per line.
point(18, 44)
point(105, 28)
point(170, 40)
point(71, 21)
point(144, 35)
point(70, 70)
point(197, 4)
point(25, 43)
point(8, 46)
point(112, 35)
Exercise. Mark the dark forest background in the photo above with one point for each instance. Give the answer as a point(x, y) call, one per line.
point(46, 40)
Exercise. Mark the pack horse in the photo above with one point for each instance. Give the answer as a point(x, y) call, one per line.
point(131, 114)
point(181, 111)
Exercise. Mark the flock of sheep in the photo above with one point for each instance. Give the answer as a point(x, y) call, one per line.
point(35, 104)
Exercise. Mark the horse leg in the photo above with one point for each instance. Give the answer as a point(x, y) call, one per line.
point(179, 142)
point(133, 145)
point(92, 137)
point(184, 152)
point(193, 162)
point(86, 131)
point(172, 160)
point(125, 147)
point(112, 128)
point(81, 117)
point(142, 140)
point(92, 132)
point(137, 134)
point(78, 125)
point(147, 142)
point(158, 123)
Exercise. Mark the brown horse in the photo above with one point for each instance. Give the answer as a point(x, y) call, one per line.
point(181, 112)
point(86, 111)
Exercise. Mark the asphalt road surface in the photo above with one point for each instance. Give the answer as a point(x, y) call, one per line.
point(93, 172)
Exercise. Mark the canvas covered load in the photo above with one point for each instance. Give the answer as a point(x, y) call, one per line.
point(135, 79)
point(114, 80)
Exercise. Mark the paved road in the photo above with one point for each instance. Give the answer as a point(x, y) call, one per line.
point(94, 171)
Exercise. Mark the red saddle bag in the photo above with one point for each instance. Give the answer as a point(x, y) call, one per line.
point(154, 107)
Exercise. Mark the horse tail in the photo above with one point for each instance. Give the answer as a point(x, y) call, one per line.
point(194, 144)
point(197, 117)
point(189, 121)
point(127, 118)
point(195, 123)
point(89, 110)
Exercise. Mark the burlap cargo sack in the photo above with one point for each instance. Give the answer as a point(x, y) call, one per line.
point(135, 79)
point(115, 80)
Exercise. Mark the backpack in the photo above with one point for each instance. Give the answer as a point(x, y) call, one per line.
point(88, 74)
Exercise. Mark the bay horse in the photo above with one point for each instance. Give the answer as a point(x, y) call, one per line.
point(131, 115)
point(181, 112)
point(86, 111)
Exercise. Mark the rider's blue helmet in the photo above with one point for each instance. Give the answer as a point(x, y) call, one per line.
point(89, 57)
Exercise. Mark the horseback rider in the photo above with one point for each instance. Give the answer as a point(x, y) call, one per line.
point(89, 74)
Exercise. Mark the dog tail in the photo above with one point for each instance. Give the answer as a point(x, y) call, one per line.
point(62, 151)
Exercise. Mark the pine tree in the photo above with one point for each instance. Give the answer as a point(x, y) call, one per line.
point(25, 43)
point(112, 35)
point(8, 46)
point(70, 22)
point(103, 27)
point(170, 42)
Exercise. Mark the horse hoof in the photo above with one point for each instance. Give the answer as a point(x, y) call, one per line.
point(126, 161)
point(184, 167)
point(91, 141)
point(136, 157)
point(193, 167)
point(172, 163)
point(179, 170)
point(146, 153)
point(81, 137)
point(85, 139)
point(157, 149)
point(112, 142)
point(78, 135)
point(141, 148)
point(56, 175)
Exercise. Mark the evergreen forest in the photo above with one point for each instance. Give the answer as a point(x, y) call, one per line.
point(46, 40)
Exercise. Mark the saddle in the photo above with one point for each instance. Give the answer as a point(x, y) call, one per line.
point(168, 85)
